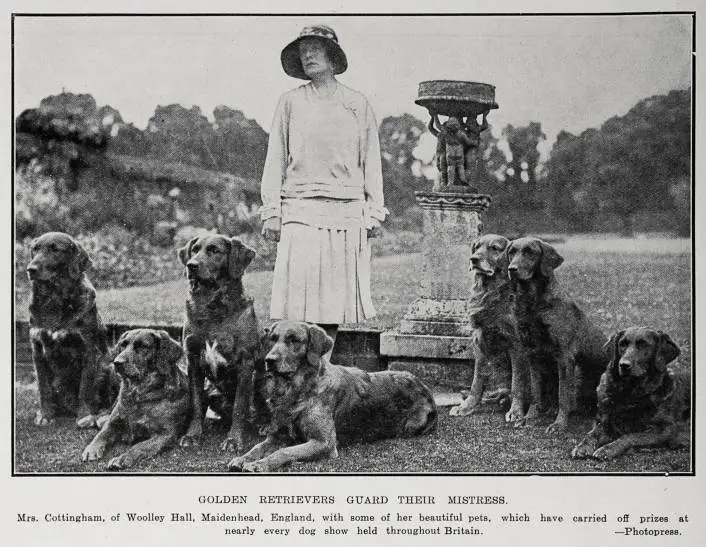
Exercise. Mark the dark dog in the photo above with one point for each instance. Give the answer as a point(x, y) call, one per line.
point(314, 404)
point(496, 339)
point(67, 336)
point(640, 399)
point(221, 336)
point(556, 335)
point(153, 404)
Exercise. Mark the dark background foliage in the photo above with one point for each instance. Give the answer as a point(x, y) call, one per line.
point(82, 169)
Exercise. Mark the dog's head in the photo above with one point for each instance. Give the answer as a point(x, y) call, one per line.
point(55, 255)
point(210, 259)
point(146, 354)
point(488, 256)
point(294, 357)
point(530, 257)
point(640, 352)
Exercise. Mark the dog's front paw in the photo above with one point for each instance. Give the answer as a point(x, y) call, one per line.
point(101, 420)
point(236, 464)
point(607, 452)
point(256, 467)
point(92, 452)
point(86, 421)
point(232, 445)
point(120, 462)
point(515, 415)
point(583, 450)
point(463, 410)
point(558, 426)
point(190, 439)
point(43, 419)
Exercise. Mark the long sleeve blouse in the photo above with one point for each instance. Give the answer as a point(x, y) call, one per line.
point(323, 147)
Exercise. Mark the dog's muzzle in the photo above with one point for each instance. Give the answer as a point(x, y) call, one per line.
point(192, 269)
point(480, 266)
point(270, 364)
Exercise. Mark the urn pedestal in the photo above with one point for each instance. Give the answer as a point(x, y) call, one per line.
point(433, 338)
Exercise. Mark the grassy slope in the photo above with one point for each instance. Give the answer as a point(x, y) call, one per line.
point(624, 283)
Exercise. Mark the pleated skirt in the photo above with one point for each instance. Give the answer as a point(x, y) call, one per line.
point(322, 275)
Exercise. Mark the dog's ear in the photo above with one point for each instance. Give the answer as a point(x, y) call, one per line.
point(550, 261)
point(114, 351)
point(612, 351)
point(168, 353)
point(184, 253)
point(239, 258)
point(320, 343)
point(504, 260)
point(666, 352)
point(475, 244)
point(80, 261)
point(265, 342)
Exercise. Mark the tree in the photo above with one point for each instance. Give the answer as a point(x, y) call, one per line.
point(399, 136)
point(240, 144)
point(175, 133)
point(523, 142)
point(62, 136)
point(634, 163)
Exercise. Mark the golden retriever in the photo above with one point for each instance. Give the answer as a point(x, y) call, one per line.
point(314, 404)
point(641, 400)
point(222, 337)
point(66, 333)
point(153, 403)
point(557, 337)
point(497, 350)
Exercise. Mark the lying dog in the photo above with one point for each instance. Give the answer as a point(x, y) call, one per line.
point(66, 333)
point(221, 336)
point(496, 340)
point(315, 404)
point(153, 404)
point(640, 399)
point(556, 335)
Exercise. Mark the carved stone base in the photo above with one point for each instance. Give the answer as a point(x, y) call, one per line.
point(445, 361)
point(437, 373)
point(433, 339)
point(442, 317)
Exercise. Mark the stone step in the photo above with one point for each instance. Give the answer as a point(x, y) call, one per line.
point(446, 398)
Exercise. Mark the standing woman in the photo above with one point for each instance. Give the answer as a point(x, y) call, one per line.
point(322, 189)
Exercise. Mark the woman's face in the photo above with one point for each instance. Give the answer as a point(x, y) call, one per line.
point(314, 58)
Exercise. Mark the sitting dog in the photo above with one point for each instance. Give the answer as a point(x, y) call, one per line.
point(556, 335)
point(153, 403)
point(66, 333)
point(314, 404)
point(496, 340)
point(221, 337)
point(640, 399)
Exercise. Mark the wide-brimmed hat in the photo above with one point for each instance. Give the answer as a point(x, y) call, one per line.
point(291, 63)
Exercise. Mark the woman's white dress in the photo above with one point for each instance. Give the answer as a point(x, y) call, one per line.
point(323, 177)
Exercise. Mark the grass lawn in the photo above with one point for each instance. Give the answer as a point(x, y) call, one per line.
point(477, 444)
point(617, 282)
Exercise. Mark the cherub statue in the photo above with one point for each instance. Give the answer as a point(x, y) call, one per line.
point(474, 130)
point(452, 143)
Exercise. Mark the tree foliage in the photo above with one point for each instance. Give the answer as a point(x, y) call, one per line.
point(634, 163)
point(523, 142)
point(399, 136)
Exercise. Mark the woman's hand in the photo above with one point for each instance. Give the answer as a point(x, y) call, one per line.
point(271, 228)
